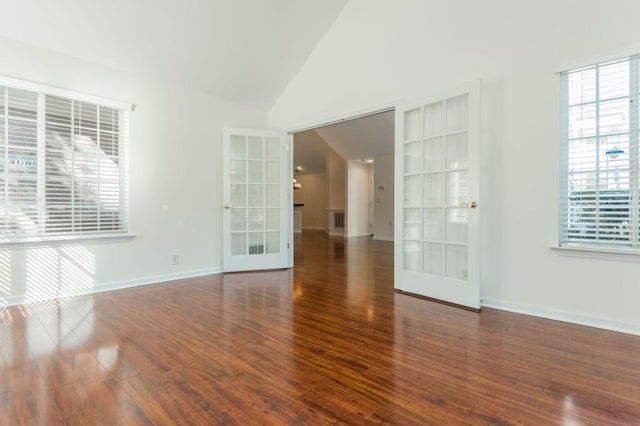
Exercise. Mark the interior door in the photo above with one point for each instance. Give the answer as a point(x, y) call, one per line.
point(436, 203)
point(256, 200)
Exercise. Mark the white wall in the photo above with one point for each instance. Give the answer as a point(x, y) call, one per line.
point(336, 180)
point(408, 48)
point(383, 198)
point(313, 194)
point(175, 183)
point(358, 183)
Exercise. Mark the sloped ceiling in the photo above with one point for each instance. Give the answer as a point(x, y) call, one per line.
point(362, 138)
point(309, 152)
point(245, 51)
point(358, 139)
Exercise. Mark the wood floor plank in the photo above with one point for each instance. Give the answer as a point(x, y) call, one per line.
point(329, 342)
point(113, 404)
point(29, 408)
point(75, 404)
point(7, 413)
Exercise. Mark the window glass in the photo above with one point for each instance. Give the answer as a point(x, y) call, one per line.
point(599, 177)
point(66, 179)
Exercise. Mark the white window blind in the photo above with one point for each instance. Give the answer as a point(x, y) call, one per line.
point(599, 177)
point(63, 169)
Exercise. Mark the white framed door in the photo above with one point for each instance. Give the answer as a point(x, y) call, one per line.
point(257, 205)
point(437, 147)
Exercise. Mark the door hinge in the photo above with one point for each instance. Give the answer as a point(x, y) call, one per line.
point(287, 245)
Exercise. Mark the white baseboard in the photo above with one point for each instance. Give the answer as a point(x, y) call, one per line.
point(336, 234)
point(314, 228)
point(120, 285)
point(589, 321)
point(382, 238)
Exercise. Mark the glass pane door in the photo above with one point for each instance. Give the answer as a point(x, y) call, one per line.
point(256, 197)
point(437, 145)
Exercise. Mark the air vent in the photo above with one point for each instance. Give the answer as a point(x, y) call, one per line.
point(256, 248)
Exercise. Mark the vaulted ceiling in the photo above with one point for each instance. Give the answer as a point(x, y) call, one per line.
point(360, 139)
point(245, 51)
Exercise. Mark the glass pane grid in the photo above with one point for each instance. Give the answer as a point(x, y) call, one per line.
point(456, 113)
point(255, 195)
point(77, 187)
point(413, 125)
point(255, 148)
point(600, 174)
point(434, 155)
point(435, 179)
point(434, 120)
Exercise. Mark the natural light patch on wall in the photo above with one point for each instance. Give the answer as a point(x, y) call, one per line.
point(54, 273)
point(5, 277)
point(6, 343)
point(42, 275)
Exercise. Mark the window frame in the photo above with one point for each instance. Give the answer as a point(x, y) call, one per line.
point(629, 248)
point(41, 238)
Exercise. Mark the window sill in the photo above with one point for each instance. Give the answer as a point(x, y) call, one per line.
point(65, 241)
point(601, 253)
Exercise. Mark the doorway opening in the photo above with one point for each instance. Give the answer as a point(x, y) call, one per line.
point(343, 176)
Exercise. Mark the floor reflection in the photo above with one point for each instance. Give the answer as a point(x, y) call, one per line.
point(328, 342)
point(47, 346)
point(341, 315)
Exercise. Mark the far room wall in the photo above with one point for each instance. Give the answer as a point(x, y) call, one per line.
point(336, 174)
point(359, 200)
point(313, 194)
point(383, 198)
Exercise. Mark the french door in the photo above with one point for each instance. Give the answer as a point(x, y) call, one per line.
point(436, 202)
point(256, 200)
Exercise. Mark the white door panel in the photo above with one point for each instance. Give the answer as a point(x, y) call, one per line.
point(437, 189)
point(256, 170)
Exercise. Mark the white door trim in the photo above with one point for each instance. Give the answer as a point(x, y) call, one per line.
point(365, 112)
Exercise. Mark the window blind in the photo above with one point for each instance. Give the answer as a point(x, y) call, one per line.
point(599, 155)
point(63, 168)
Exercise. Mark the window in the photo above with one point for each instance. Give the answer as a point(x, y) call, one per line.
point(63, 170)
point(600, 172)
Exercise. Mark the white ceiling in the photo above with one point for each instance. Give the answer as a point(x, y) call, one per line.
point(309, 152)
point(358, 139)
point(246, 51)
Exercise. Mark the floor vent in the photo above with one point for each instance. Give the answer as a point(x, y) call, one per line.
point(256, 248)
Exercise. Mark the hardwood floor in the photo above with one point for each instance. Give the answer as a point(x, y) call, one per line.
point(328, 342)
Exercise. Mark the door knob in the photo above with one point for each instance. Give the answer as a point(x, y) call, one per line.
point(473, 204)
point(228, 206)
